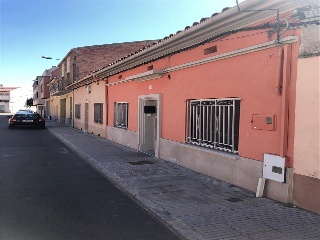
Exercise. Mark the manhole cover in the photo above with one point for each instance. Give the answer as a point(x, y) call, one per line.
point(140, 163)
point(234, 199)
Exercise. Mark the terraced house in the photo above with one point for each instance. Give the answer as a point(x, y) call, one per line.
point(225, 97)
point(78, 63)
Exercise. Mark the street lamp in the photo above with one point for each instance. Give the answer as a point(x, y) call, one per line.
point(46, 57)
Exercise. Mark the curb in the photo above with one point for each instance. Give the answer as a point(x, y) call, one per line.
point(175, 225)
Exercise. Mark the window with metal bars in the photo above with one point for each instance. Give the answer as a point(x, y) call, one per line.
point(98, 112)
point(121, 114)
point(214, 123)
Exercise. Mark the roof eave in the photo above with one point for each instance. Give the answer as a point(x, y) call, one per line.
point(225, 21)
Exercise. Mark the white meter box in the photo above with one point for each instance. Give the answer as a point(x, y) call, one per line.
point(274, 167)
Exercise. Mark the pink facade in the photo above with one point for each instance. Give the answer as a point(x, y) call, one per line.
point(252, 77)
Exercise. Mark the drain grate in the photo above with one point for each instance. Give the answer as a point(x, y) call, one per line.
point(140, 163)
point(234, 199)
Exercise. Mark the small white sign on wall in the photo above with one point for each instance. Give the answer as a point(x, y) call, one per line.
point(274, 167)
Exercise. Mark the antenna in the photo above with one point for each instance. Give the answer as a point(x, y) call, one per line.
point(238, 6)
point(270, 9)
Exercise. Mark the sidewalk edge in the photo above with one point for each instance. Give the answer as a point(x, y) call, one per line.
point(175, 225)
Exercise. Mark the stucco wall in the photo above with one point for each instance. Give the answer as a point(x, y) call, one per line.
point(54, 107)
point(307, 132)
point(251, 77)
point(306, 177)
point(97, 95)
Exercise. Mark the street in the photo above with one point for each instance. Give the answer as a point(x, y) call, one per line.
point(49, 192)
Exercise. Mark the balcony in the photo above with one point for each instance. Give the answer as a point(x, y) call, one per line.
point(37, 101)
point(58, 87)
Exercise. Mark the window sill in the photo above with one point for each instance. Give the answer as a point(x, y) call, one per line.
point(211, 150)
point(121, 128)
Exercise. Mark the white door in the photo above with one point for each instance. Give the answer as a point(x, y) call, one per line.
point(149, 125)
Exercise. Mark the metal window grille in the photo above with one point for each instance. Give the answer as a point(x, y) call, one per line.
point(121, 114)
point(214, 123)
point(77, 110)
point(98, 112)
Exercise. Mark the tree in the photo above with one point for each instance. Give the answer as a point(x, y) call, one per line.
point(29, 102)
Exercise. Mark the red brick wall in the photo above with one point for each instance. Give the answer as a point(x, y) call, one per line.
point(85, 60)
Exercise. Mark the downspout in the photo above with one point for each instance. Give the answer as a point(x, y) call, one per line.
point(73, 101)
point(284, 119)
point(107, 105)
point(95, 78)
point(279, 77)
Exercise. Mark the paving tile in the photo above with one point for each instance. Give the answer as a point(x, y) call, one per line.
point(220, 231)
point(199, 219)
point(173, 188)
point(269, 235)
point(151, 190)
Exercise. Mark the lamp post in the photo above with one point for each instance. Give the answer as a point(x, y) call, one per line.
point(46, 57)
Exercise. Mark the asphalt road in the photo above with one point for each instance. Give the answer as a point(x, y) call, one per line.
point(48, 192)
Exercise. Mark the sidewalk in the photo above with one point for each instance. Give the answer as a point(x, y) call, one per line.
point(193, 205)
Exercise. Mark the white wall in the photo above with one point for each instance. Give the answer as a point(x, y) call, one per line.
point(18, 98)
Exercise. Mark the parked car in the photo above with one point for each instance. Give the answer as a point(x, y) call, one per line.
point(26, 118)
point(26, 110)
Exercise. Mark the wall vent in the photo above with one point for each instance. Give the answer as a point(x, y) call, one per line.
point(210, 50)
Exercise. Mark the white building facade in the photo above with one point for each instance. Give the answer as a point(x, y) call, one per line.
point(5, 98)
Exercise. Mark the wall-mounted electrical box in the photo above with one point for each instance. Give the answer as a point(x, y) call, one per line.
point(264, 122)
point(274, 167)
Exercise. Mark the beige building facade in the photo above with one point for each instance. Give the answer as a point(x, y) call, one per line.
point(5, 98)
point(306, 185)
point(90, 109)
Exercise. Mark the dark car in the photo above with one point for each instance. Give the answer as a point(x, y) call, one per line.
point(26, 119)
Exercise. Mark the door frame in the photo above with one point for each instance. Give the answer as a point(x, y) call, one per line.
point(141, 99)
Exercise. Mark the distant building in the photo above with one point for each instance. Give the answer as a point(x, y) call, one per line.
point(41, 95)
point(5, 98)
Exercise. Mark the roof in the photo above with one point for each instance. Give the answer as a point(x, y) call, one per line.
point(310, 42)
point(48, 72)
point(3, 89)
point(230, 19)
point(100, 46)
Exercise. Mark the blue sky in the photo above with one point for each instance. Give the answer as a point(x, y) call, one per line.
point(30, 29)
